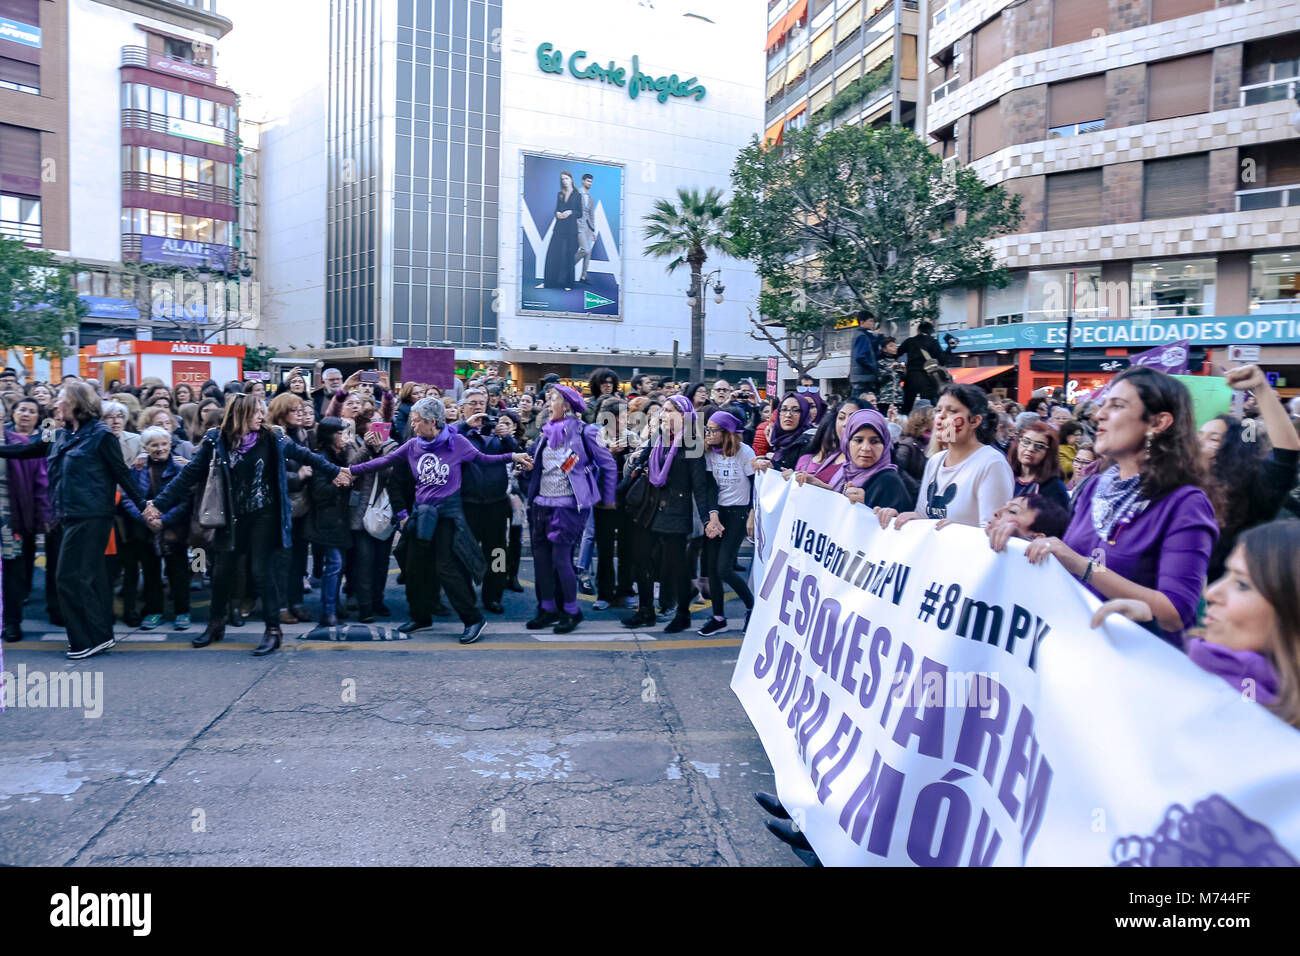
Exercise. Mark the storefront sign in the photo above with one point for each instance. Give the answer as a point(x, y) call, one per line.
point(23, 33)
point(103, 307)
point(551, 60)
point(191, 373)
point(1134, 333)
point(165, 64)
point(188, 129)
point(183, 252)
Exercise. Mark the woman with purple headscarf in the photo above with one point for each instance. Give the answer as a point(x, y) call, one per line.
point(675, 464)
point(787, 441)
point(868, 475)
point(572, 471)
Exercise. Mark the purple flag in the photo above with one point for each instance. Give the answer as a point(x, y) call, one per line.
point(1171, 358)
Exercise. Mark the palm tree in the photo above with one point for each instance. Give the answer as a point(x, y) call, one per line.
point(684, 233)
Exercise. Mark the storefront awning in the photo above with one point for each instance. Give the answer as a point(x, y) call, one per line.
point(969, 376)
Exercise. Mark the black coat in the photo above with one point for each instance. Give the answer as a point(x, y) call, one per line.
point(687, 479)
point(328, 522)
point(85, 468)
point(887, 490)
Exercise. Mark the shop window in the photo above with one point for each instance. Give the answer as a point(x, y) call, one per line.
point(1178, 288)
point(1275, 283)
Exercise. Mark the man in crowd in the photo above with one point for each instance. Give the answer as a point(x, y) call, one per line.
point(331, 382)
point(865, 361)
point(485, 489)
point(919, 349)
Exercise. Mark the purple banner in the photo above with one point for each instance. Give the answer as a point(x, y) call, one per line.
point(430, 366)
point(184, 252)
point(1171, 358)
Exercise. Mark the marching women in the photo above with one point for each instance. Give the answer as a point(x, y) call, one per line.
point(443, 543)
point(730, 464)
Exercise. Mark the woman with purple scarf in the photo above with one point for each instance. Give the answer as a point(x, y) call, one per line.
point(24, 513)
point(868, 475)
point(679, 474)
point(572, 470)
point(787, 441)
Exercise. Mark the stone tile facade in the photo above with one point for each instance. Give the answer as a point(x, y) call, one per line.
point(1024, 115)
point(1126, 96)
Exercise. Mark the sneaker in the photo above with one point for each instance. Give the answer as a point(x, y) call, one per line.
point(91, 651)
point(712, 627)
point(677, 625)
point(473, 631)
point(182, 622)
point(584, 584)
point(601, 605)
point(410, 626)
point(150, 622)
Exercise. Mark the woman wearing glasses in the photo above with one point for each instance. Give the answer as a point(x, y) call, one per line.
point(1035, 460)
point(785, 443)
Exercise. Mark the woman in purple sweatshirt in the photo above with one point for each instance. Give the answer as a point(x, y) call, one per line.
point(1144, 529)
point(442, 536)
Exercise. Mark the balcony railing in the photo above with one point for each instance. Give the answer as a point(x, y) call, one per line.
point(1270, 197)
point(141, 57)
point(167, 186)
point(27, 232)
point(943, 89)
point(157, 123)
point(945, 11)
point(1271, 92)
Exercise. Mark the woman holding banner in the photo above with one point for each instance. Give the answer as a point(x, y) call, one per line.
point(869, 476)
point(782, 440)
point(1144, 529)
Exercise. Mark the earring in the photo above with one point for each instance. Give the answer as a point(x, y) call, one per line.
point(1150, 435)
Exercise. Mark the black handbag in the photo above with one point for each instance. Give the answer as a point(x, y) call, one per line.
point(637, 497)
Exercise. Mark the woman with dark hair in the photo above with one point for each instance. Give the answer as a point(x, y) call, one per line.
point(604, 388)
point(182, 393)
point(1252, 624)
point(251, 459)
point(326, 526)
point(285, 414)
point(24, 514)
point(824, 457)
point(966, 481)
point(85, 467)
point(1144, 529)
point(1248, 487)
point(563, 248)
point(680, 477)
point(1069, 437)
point(212, 390)
point(698, 393)
point(730, 464)
point(785, 441)
point(1035, 461)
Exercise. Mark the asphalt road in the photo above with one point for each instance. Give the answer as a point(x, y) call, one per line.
point(605, 747)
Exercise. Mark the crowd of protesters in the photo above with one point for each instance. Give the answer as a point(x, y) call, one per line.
point(638, 495)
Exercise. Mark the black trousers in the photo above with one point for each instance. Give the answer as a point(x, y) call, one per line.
point(917, 383)
point(85, 597)
point(665, 560)
point(131, 556)
point(53, 541)
point(490, 521)
point(369, 570)
point(257, 541)
point(176, 566)
point(291, 593)
point(612, 539)
point(18, 579)
point(720, 556)
point(433, 559)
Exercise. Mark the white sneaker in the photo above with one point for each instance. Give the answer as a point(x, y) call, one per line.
point(91, 651)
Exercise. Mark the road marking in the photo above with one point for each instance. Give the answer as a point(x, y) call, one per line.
point(604, 643)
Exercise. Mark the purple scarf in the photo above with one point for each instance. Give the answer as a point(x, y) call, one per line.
point(29, 484)
point(1236, 667)
point(782, 439)
point(851, 474)
point(559, 434)
point(661, 460)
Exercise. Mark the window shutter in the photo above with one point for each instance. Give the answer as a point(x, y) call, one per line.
point(988, 45)
point(848, 21)
point(986, 131)
point(1170, 9)
point(1176, 187)
point(1074, 199)
point(16, 71)
point(1075, 20)
point(775, 82)
point(20, 152)
point(820, 98)
point(1076, 101)
point(822, 43)
point(1179, 87)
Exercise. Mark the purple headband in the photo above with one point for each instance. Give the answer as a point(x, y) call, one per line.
point(571, 396)
point(726, 421)
point(684, 406)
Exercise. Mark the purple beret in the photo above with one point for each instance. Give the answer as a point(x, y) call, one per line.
point(572, 397)
point(726, 421)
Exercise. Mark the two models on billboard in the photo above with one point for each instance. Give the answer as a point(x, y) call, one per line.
point(569, 223)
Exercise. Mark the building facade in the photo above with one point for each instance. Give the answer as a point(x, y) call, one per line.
point(119, 149)
point(1155, 146)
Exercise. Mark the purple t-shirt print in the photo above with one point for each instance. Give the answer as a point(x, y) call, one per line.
point(434, 463)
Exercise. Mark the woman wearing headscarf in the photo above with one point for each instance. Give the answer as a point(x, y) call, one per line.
point(680, 476)
point(786, 440)
point(573, 471)
point(869, 475)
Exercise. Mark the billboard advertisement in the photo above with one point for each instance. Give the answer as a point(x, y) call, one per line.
point(570, 237)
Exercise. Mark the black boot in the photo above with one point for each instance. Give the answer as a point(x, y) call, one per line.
point(543, 619)
point(514, 550)
point(643, 618)
point(270, 641)
point(215, 631)
point(568, 622)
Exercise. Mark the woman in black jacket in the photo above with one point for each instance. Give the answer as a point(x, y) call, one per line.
point(327, 525)
point(85, 467)
point(679, 474)
point(255, 502)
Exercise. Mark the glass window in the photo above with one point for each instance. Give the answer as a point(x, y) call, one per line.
point(191, 107)
point(1172, 288)
point(157, 223)
point(1002, 306)
point(174, 165)
point(175, 229)
point(1052, 291)
point(221, 232)
point(207, 171)
point(189, 228)
point(174, 104)
point(157, 100)
point(139, 96)
point(191, 168)
point(203, 229)
point(207, 112)
point(1275, 282)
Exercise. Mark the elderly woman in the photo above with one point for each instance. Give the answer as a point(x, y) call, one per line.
point(85, 467)
point(442, 538)
point(116, 416)
point(160, 417)
point(577, 471)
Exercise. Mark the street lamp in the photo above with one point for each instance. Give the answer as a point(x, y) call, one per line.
point(695, 296)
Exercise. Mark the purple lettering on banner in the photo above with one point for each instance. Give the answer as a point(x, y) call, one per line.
point(773, 570)
point(860, 628)
point(782, 670)
point(763, 661)
point(804, 704)
point(807, 606)
point(829, 750)
point(1017, 762)
point(810, 727)
point(1037, 786)
point(823, 633)
point(824, 788)
point(880, 643)
point(986, 844)
point(787, 595)
point(925, 818)
point(978, 725)
point(835, 650)
point(902, 671)
point(876, 797)
point(924, 721)
point(794, 679)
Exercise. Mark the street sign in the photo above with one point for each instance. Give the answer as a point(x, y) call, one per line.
point(771, 376)
point(1243, 353)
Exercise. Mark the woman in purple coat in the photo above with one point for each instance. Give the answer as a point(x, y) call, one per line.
point(1144, 529)
point(572, 471)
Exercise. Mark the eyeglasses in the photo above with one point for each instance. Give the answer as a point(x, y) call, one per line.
point(721, 388)
point(1035, 445)
point(712, 430)
point(789, 411)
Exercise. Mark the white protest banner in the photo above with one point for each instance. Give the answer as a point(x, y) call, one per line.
point(925, 700)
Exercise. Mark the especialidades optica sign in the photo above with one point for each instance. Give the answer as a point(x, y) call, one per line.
point(551, 60)
point(1089, 333)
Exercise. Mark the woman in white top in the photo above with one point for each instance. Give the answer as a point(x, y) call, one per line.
point(730, 463)
point(970, 479)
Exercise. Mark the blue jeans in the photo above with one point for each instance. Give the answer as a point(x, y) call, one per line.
point(329, 580)
point(588, 541)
